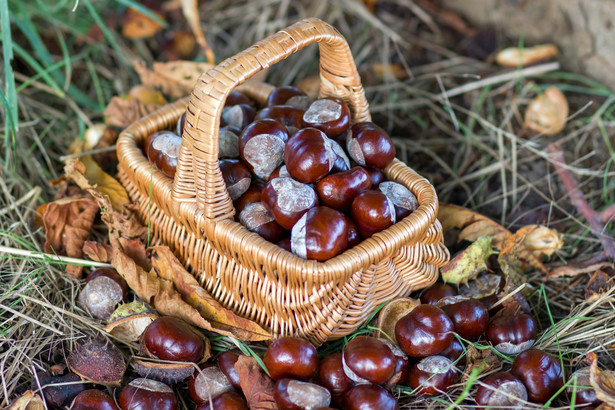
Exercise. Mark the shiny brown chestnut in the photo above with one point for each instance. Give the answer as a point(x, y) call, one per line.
point(310, 155)
point(236, 176)
point(501, 389)
point(240, 116)
point(282, 95)
point(162, 150)
point(369, 145)
point(292, 394)
point(375, 175)
point(146, 394)
point(470, 318)
point(280, 172)
point(320, 234)
point(170, 338)
point(338, 190)
point(331, 376)
point(181, 123)
point(228, 142)
point(291, 357)
point(511, 335)
point(253, 194)
point(257, 218)
point(456, 353)
point(368, 359)
point(584, 393)
point(402, 365)
point(540, 372)
point(291, 117)
point(405, 202)
point(288, 200)
point(226, 401)
point(425, 331)
point(373, 212)
point(226, 363)
point(432, 375)
point(369, 396)
point(432, 294)
point(330, 115)
point(236, 98)
point(285, 244)
point(209, 381)
point(261, 146)
point(93, 399)
point(354, 238)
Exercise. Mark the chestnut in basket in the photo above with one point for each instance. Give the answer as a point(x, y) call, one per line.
point(320, 234)
point(405, 202)
point(170, 338)
point(369, 145)
point(288, 200)
point(261, 146)
point(291, 117)
point(253, 194)
point(373, 212)
point(291, 357)
point(330, 115)
point(257, 218)
point(288, 95)
point(146, 394)
point(162, 150)
point(228, 142)
point(338, 190)
point(239, 115)
point(236, 176)
point(236, 98)
point(310, 155)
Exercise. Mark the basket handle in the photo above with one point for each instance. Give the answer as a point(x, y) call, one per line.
point(198, 158)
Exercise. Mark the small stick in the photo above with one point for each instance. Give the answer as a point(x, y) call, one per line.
point(56, 258)
point(608, 215)
point(578, 200)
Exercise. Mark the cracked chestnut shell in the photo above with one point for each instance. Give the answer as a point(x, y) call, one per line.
point(320, 234)
point(425, 331)
point(540, 372)
point(261, 146)
point(369, 359)
point(292, 394)
point(432, 375)
point(170, 338)
point(291, 357)
point(146, 394)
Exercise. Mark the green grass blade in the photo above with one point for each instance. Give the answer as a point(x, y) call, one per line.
point(40, 70)
point(143, 10)
point(9, 96)
point(103, 27)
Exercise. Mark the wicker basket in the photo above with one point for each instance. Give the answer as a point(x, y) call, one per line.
point(193, 213)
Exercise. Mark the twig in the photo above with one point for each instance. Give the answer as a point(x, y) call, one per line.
point(580, 203)
point(54, 258)
point(608, 215)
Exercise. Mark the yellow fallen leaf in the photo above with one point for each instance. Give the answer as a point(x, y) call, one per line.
point(548, 112)
point(468, 263)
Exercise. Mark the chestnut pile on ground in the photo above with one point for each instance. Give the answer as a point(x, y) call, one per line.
point(298, 173)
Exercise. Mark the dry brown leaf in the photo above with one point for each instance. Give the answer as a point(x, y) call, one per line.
point(598, 285)
point(175, 78)
point(97, 251)
point(121, 112)
point(67, 224)
point(574, 269)
point(542, 241)
point(170, 268)
point(136, 25)
point(483, 359)
point(28, 401)
point(603, 381)
point(391, 313)
point(89, 175)
point(548, 112)
point(514, 252)
point(135, 249)
point(515, 56)
point(396, 71)
point(190, 8)
point(256, 386)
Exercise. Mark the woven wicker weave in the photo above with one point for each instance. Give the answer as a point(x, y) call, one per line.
point(193, 213)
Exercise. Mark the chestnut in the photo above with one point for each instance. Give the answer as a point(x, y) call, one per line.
point(297, 395)
point(373, 212)
point(309, 155)
point(103, 291)
point(226, 363)
point(236, 98)
point(353, 232)
point(541, 374)
point(111, 274)
point(369, 396)
point(368, 359)
point(432, 294)
point(330, 115)
point(239, 116)
point(162, 150)
point(146, 394)
point(285, 244)
point(369, 145)
point(456, 353)
point(291, 357)
point(501, 389)
point(470, 318)
point(170, 338)
point(280, 172)
point(93, 399)
point(282, 95)
point(230, 400)
point(331, 376)
point(58, 391)
point(253, 194)
point(402, 364)
point(228, 142)
point(320, 234)
point(181, 123)
point(405, 202)
point(291, 117)
point(288, 200)
point(209, 381)
point(258, 219)
point(236, 176)
point(261, 146)
point(511, 335)
point(584, 393)
point(375, 175)
point(425, 331)
point(338, 190)
point(432, 375)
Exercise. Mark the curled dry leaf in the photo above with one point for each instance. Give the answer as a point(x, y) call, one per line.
point(175, 79)
point(390, 315)
point(599, 284)
point(603, 381)
point(67, 224)
point(578, 268)
point(515, 56)
point(483, 359)
point(190, 8)
point(256, 386)
point(28, 401)
point(97, 251)
point(469, 262)
point(542, 241)
point(129, 321)
point(548, 112)
point(98, 361)
point(136, 25)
